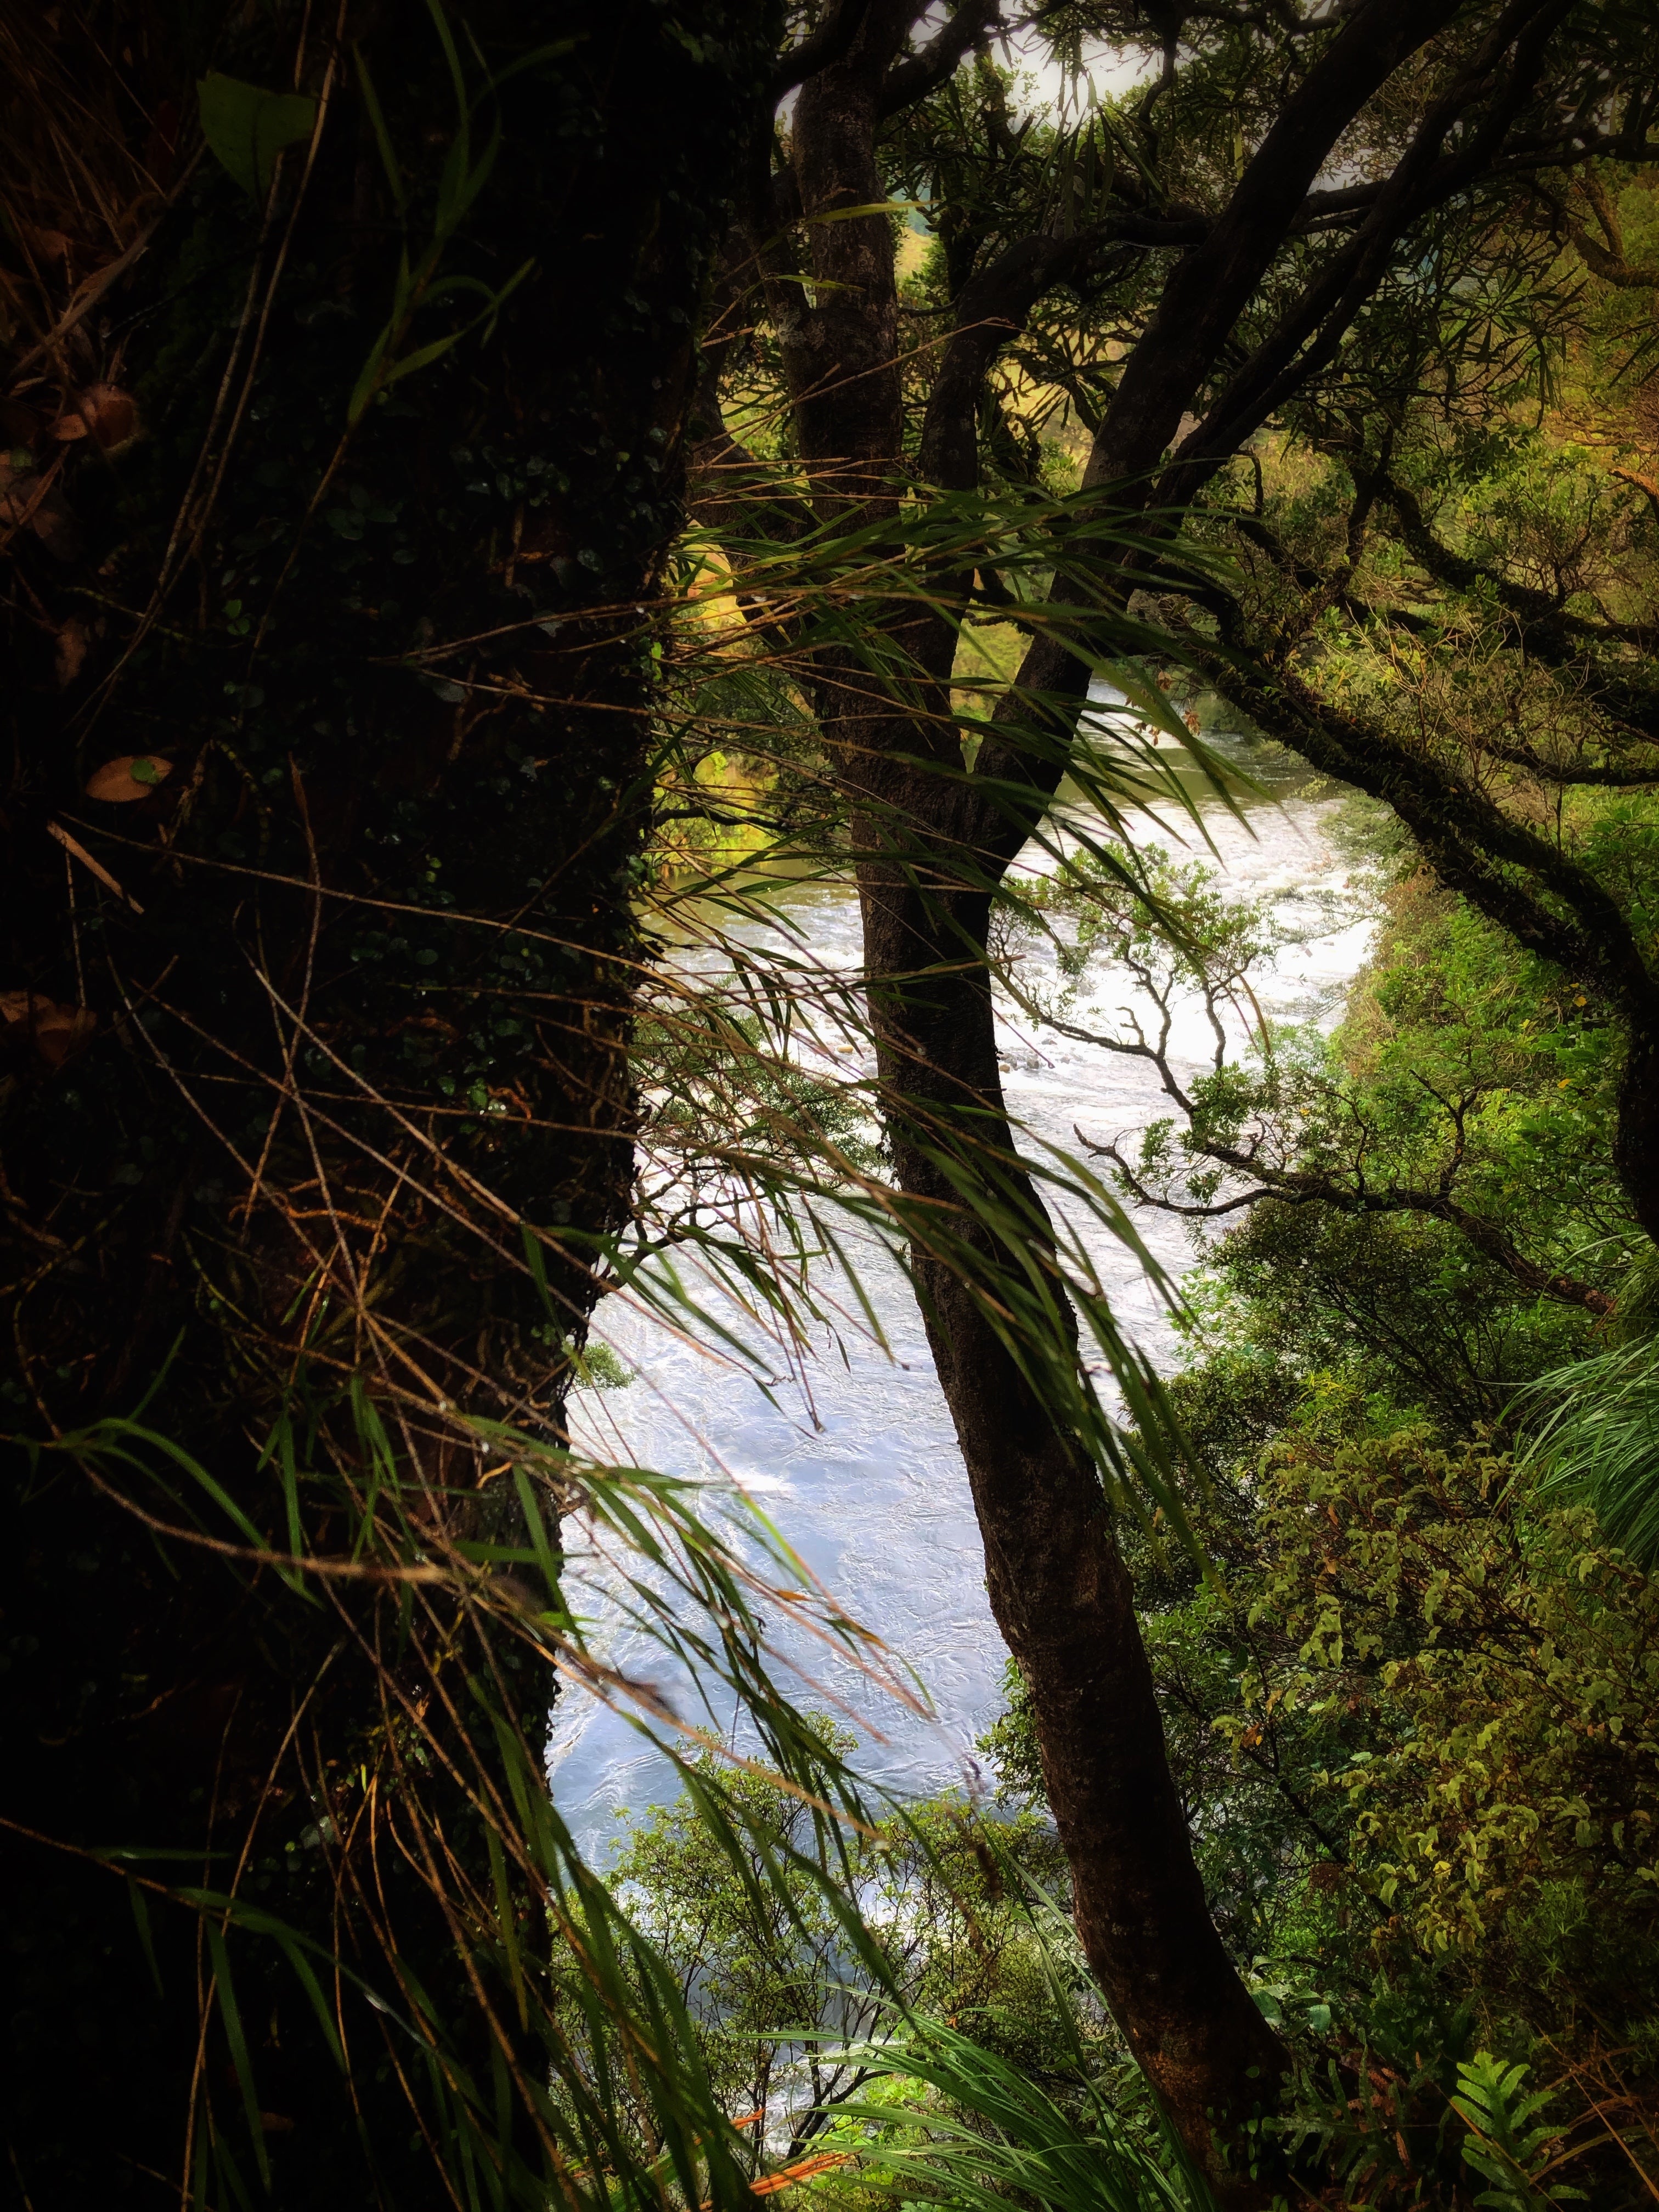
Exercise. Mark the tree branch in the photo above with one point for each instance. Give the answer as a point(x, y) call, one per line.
point(1307, 336)
point(830, 43)
point(1208, 291)
point(912, 79)
point(1307, 1187)
point(1537, 609)
point(1645, 485)
point(994, 307)
point(1608, 776)
point(1607, 262)
point(1466, 835)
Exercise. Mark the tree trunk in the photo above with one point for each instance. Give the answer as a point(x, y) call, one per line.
point(934, 848)
point(312, 1020)
point(1059, 1589)
point(931, 851)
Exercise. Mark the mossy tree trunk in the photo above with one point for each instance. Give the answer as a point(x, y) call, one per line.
point(314, 1010)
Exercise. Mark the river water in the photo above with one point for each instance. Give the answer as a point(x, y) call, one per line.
point(856, 1461)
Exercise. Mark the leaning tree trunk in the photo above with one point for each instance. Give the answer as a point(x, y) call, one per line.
point(1058, 1587)
point(328, 777)
point(931, 851)
point(934, 848)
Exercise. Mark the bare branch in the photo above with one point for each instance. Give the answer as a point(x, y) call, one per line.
point(1308, 1187)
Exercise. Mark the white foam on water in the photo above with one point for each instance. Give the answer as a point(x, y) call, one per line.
point(857, 1461)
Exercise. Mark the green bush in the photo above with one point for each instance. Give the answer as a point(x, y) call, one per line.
point(1504, 1812)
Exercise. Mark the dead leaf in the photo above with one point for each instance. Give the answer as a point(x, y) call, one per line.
point(102, 412)
point(133, 776)
point(55, 1030)
point(50, 245)
point(72, 641)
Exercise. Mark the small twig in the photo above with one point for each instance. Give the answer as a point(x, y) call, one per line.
point(74, 928)
point(71, 846)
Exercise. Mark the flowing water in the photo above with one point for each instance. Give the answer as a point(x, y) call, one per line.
point(857, 1461)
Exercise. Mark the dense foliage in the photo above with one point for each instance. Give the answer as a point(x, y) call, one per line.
point(378, 725)
point(789, 1984)
point(1411, 1707)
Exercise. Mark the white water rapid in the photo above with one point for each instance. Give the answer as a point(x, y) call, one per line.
point(861, 1471)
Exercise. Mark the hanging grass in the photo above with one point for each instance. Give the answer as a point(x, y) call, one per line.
point(1596, 1441)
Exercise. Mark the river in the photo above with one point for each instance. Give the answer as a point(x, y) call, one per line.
point(857, 1462)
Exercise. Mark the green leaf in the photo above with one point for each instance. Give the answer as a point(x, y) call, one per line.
point(543, 1550)
point(554, 50)
point(866, 207)
point(141, 1919)
point(441, 23)
point(230, 2013)
point(382, 136)
point(538, 1267)
point(377, 377)
point(312, 1989)
point(508, 1925)
point(246, 128)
